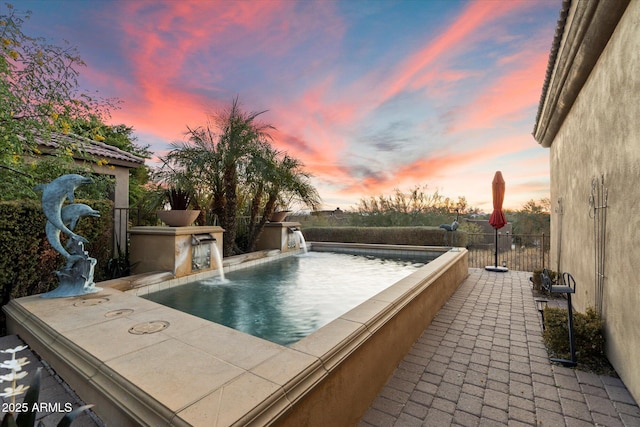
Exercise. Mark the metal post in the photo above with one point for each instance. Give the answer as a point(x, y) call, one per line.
point(567, 286)
point(572, 348)
point(543, 251)
point(496, 253)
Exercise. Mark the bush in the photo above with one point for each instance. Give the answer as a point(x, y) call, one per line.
point(588, 335)
point(28, 261)
point(420, 236)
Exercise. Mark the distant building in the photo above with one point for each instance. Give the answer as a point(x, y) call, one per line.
point(589, 119)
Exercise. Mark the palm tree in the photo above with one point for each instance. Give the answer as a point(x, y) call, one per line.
point(213, 162)
point(240, 139)
point(230, 168)
point(190, 169)
point(283, 182)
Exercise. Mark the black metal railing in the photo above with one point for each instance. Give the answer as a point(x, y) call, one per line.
point(522, 252)
point(121, 224)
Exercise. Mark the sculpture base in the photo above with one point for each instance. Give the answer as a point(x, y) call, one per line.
point(63, 291)
point(76, 278)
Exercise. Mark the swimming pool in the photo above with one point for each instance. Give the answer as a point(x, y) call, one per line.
point(225, 376)
point(285, 300)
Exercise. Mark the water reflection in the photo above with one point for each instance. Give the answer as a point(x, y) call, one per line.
point(286, 300)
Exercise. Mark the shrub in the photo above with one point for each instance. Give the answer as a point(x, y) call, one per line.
point(588, 335)
point(420, 236)
point(28, 262)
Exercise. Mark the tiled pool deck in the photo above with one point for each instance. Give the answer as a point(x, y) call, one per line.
point(482, 362)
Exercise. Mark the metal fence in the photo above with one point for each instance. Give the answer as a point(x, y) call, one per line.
point(522, 252)
point(121, 224)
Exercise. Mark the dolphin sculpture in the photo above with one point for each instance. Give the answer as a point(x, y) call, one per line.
point(70, 214)
point(53, 196)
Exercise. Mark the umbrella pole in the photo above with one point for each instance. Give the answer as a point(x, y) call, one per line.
point(496, 252)
point(495, 267)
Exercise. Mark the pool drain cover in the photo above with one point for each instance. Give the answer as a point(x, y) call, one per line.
point(149, 327)
point(118, 313)
point(90, 301)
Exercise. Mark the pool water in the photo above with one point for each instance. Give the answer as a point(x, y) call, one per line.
point(285, 300)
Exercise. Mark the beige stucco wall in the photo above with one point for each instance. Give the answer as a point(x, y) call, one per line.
point(601, 137)
point(121, 200)
point(278, 235)
point(162, 248)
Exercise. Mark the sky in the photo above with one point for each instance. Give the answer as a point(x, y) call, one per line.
point(372, 96)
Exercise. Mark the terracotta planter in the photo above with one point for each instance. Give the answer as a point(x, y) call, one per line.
point(279, 216)
point(178, 218)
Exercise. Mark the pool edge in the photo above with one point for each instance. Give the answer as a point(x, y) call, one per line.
point(353, 382)
point(336, 381)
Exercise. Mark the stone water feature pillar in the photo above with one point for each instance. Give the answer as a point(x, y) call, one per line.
point(181, 250)
point(279, 235)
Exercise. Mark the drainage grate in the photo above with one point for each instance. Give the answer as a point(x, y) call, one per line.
point(149, 327)
point(85, 302)
point(118, 313)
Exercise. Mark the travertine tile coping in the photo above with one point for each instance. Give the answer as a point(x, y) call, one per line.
point(200, 373)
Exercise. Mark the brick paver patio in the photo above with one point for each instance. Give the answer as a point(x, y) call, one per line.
point(52, 389)
point(482, 362)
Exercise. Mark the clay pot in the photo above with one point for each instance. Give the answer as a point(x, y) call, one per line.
point(178, 218)
point(279, 216)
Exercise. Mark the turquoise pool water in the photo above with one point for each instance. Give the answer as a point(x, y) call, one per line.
point(285, 300)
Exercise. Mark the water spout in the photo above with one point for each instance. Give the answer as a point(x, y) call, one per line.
point(301, 241)
point(218, 258)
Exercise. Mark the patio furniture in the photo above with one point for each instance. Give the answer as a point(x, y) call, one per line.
point(567, 285)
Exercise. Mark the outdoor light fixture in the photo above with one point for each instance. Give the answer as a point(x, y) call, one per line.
point(541, 304)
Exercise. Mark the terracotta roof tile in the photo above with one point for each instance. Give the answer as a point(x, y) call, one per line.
point(553, 56)
point(93, 148)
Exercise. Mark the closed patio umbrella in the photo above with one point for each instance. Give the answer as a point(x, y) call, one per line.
point(497, 219)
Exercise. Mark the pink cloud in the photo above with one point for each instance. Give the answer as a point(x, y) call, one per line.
point(415, 72)
point(178, 74)
point(175, 50)
point(508, 98)
point(439, 164)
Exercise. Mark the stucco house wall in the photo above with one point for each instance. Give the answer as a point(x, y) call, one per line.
point(589, 118)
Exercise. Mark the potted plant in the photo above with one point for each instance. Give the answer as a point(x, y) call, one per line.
point(279, 215)
point(180, 215)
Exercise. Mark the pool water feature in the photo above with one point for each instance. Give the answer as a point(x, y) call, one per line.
point(285, 300)
point(218, 259)
point(301, 242)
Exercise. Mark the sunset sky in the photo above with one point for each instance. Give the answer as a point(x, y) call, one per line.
point(370, 95)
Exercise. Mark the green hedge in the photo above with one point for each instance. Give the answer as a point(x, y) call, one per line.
point(588, 332)
point(421, 236)
point(28, 262)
